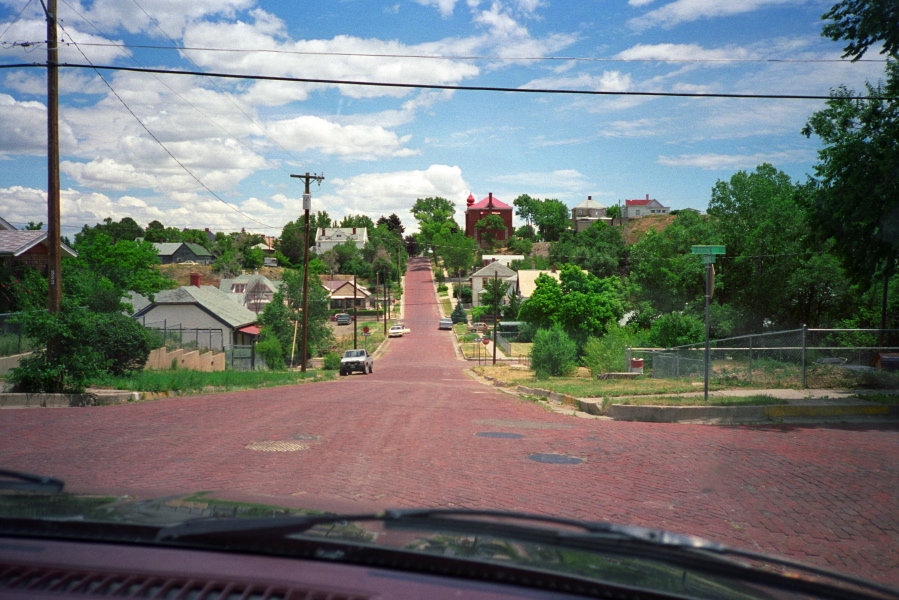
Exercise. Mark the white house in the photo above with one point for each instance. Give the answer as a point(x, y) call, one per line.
point(493, 270)
point(643, 208)
point(328, 237)
point(587, 213)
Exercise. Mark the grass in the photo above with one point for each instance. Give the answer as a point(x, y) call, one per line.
point(187, 381)
point(881, 398)
point(753, 400)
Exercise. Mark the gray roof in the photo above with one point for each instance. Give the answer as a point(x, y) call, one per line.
point(249, 279)
point(169, 248)
point(494, 268)
point(210, 298)
point(590, 203)
point(15, 243)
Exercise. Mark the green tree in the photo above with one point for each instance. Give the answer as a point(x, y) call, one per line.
point(676, 329)
point(489, 229)
point(854, 196)
point(864, 23)
point(664, 272)
point(613, 212)
point(581, 303)
point(494, 294)
point(320, 220)
point(551, 217)
point(104, 271)
point(525, 208)
point(291, 244)
point(433, 210)
point(393, 223)
point(358, 221)
point(283, 315)
point(599, 249)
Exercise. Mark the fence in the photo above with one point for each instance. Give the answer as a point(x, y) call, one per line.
point(176, 336)
point(244, 358)
point(11, 340)
point(801, 356)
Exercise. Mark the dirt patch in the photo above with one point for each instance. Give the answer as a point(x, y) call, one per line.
point(636, 229)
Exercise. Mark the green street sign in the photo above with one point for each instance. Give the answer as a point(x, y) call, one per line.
point(707, 249)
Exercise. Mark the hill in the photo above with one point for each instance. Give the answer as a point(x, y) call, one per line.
point(635, 229)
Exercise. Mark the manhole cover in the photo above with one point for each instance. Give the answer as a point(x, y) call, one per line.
point(521, 424)
point(556, 459)
point(304, 436)
point(499, 434)
point(276, 446)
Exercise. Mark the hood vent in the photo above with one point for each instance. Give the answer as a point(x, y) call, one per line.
point(93, 584)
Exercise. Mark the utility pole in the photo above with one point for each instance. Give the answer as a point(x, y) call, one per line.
point(307, 205)
point(54, 266)
point(495, 311)
point(355, 315)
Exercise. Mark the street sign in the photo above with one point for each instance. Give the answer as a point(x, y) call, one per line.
point(365, 330)
point(707, 249)
point(485, 341)
point(365, 334)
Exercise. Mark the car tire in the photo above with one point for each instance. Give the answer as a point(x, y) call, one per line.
point(371, 368)
point(343, 373)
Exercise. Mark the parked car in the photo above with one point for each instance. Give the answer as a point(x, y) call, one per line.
point(357, 360)
point(478, 327)
point(395, 331)
point(445, 324)
point(343, 318)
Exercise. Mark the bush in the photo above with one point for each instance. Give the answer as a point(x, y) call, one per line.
point(123, 343)
point(676, 329)
point(465, 294)
point(441, 289)
point(606, 354)
point(271, 352)
point(332, 361)
point(553, 353)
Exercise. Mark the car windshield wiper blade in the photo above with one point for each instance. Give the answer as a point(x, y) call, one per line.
point(28, 482)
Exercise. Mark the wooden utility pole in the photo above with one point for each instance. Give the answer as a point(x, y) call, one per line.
point(307, 205)
point(54, 266)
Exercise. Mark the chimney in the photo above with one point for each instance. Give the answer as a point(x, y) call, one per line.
point(195, 279)
point(589, 197)
point(647, 196)
point(354, 231)
point(490, 200)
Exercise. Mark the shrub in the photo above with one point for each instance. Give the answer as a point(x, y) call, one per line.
point(676, 329)
point(271, 352)
point(332, 361)
point(553, 353)
point(123, 343)
point(606, 354)
point(465, 294)
point(441, 289)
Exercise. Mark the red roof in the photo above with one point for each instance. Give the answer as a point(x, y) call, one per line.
point(637, 202)
point(496, 204)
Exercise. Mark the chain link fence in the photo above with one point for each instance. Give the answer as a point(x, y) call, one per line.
point(175, 336)
point(802, 357)
point(12, 341)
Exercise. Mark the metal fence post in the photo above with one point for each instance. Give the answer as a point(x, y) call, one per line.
point(750, 357)
point(804, 348)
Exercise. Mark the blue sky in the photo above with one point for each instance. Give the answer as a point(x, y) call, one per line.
point(203, 152)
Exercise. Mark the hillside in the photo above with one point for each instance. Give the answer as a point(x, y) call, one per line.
point(635, 229)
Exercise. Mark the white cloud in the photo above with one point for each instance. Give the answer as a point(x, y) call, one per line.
point(567, 179)
point(682, 52)
point(731, 162)
point(444, 6)
point(608, 81)
point(682, 11)
point(352, 142)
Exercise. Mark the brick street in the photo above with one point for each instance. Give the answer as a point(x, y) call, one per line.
point(413, 434)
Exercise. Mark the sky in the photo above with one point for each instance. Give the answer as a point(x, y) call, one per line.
point(207, 152)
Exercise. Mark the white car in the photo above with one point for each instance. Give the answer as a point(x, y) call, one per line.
point(357, 360)
point(396, 331)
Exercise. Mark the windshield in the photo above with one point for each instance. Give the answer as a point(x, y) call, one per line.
point(620, 262)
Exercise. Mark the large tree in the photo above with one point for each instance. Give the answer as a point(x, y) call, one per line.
point(864, 23)
point(551, 217)
point(599, 249)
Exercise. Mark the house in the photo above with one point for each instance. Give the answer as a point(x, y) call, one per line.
point(642, 208)
point(328, 237)
point(494, 270)
point(587, 213)
point(505, 259)
point(252, 291)
point(28, 248)
point(183, 252)
point(527, 281)
point(202, 311)
point(486, 207)
point(343, 295)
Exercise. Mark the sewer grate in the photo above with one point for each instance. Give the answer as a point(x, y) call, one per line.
point(499, 434)
point(276, 446)
point(556, 459)
point(305, 436)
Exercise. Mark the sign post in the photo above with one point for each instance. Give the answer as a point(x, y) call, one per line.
point(708, 253)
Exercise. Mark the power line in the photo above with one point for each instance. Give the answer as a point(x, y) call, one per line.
point(488, 57)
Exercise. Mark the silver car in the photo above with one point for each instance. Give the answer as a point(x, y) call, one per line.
point(445, 324)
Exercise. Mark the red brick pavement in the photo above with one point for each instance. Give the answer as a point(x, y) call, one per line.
point(406, 436)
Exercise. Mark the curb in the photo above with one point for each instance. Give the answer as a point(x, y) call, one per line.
point(741, 414)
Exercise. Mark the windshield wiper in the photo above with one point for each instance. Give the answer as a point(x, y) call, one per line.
point(27, 482)
point(685, 551)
